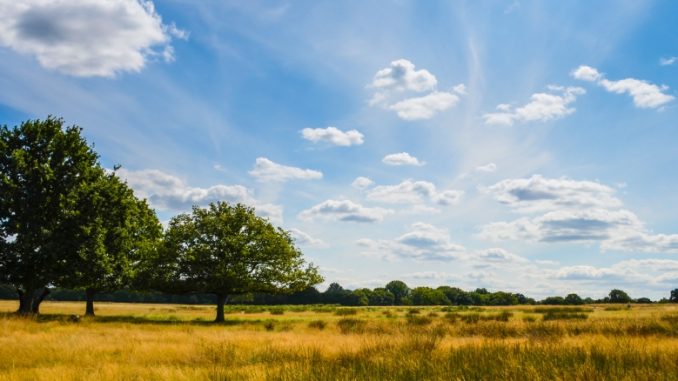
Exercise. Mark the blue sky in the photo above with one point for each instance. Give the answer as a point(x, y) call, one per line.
point(525, 146)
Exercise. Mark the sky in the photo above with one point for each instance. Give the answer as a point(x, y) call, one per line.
point(525, 146)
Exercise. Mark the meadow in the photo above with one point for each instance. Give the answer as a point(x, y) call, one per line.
point(179, 342)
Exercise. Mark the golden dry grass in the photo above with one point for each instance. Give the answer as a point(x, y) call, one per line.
point(174, 342)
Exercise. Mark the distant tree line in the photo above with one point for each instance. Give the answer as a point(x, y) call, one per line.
point(335, 294)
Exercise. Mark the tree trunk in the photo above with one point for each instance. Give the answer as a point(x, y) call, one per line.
point(221, 300)
point(89, 310)
point(24, 302)
point(38, 300)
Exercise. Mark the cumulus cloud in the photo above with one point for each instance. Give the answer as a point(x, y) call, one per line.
point(304, 239)
point(401, 75)
point(361, 182)
point(423, 242)
point(567, 225)
point(344, 210)
point(425, 107)
point(267, 170)
point(333, 135)
point(487, 168)
point(542, 107)
point(586, 73)
point(644, 94)
point(572, 211)
point(87, 38)
point(402, 158)
point(168, 192)
point(392, 84)
point(541, 194)
point(414, 192)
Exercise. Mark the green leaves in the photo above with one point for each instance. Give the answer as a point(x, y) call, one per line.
point(227, 249)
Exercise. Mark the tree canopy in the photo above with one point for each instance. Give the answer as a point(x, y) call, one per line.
point(228, 250)
point(43, 169)
point(116, 232)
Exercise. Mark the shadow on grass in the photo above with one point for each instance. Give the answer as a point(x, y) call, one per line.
point(169, 320)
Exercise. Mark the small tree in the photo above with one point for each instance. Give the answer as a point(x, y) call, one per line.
point(674, 296)
point(228, 250)
point(573, 299)
point(619, 296)
point(399, 290)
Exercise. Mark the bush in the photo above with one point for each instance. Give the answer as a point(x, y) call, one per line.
point(346, 312)
point(317, 324)
point(350, 325)
point(419, 320)
point(277, 310)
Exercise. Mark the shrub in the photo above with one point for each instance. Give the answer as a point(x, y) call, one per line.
point(346, 312)
point(419, 320)
point(350, 325)
point(277, 310)
point(317, 324)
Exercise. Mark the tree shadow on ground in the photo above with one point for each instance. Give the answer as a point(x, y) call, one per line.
point(155, 320)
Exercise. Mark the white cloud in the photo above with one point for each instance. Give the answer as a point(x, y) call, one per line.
point(423, 242)
point(644, 94)
point(401, 75)
point(572, 211)
point(425, 107)
point(460, 89)
point(586, 73)
point(487, 168)
point(402, 158)
point(410, 191)
point(267, 170)
point(542, 194)
point(87, 38)
point(393, 82)
point(362, 182)
point(304, 239)
point(344, 210)
point(170, 193)
point(499, 255)
point(542, 107)
point(333, 136)
point(668, 61)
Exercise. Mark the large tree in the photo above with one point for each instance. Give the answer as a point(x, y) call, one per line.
point(43, 167)
point(116, 231)
point(228, 250)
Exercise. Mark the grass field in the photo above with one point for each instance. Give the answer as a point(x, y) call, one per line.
point(177, 342)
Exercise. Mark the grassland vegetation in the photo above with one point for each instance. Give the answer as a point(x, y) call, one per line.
point(177, 342)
